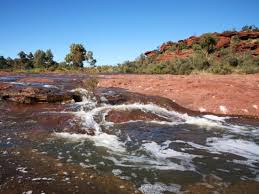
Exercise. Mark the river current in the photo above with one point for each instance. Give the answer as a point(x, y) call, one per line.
point(42, 149)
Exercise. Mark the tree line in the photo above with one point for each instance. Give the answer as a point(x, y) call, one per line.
point(41, 59)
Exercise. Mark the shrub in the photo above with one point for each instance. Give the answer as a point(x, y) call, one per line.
point(248, 63)
point(220, 68)
point(182, 46)
point(249, 28)
point(182, 66)
point(233, 61)
point(234, 40)
point(200, 61)
point(173, 48)
point(208, 42)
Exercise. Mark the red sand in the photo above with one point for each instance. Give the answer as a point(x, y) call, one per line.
point(220, 94)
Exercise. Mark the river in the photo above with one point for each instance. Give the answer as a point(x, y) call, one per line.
point(137, 145)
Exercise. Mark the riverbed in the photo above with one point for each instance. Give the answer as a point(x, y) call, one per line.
point(117, 141)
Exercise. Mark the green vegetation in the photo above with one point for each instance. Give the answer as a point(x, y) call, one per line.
point(193, 55)
point(250, 28)
point(228, 63)
point(204, 57)
point(208, 43)
point(44, 60)
point(78, 55)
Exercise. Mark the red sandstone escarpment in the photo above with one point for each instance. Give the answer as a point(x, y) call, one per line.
point(248, 41)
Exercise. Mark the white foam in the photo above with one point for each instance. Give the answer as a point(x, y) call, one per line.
point(18, 83)
point(155, 155)
point(246, 149)
point(27, 192)
point(163, 151)
point(159, 188)
point(102, 140)
point(173, 117)
point(203, 122)
point(22, 169)
point(87, 100)
point(215, 118)
point(141, 161)
point(116, 172)
point(49, 86)
point(198, 146)
point(42, 179)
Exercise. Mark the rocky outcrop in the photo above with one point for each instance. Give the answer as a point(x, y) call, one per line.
point(242, 47)
point(248, 41)
point(115, 96)
point(150, 53)
point(166, 46)
point(191, 40)
point(117, 116)
point(223, 42)
point(245, 35)
point(28, 94)
point(171, 55)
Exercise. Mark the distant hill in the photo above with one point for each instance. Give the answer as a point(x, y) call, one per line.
point(219, 53)
point(243, 41)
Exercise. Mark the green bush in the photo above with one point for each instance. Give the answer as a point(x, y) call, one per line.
point(220, 68)
point(182, 46)
point(248, 63)
point(233, 61)
point(200, 61)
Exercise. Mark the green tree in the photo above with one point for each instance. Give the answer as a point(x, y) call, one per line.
point(30, 60)
point(78, 55)
point(249, 28)
point(22, 55)
point(49, 58)
point(39, 59)
point(3, 63)
point(208, 42)
point(23, 60)
point(10, 62)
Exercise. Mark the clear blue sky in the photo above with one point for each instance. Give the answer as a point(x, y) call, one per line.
point(115, 30)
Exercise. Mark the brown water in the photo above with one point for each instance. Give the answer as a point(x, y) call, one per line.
point(43, 150)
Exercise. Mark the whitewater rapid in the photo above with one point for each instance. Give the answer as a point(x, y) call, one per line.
point(229, 138)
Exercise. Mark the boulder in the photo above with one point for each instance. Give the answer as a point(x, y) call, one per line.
point(150, 53)
point(117, 116)
point(223, 42)
point(245, 35)
point(191, 40)
point(30, 95)
point(165, 46)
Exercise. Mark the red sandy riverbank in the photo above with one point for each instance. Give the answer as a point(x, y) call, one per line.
point(219, 94)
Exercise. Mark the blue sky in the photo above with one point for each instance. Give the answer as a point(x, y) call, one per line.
point(115, 30)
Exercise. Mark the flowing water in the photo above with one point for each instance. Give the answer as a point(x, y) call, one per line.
point(74, 148)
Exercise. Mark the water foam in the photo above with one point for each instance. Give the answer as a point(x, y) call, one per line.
point(155, 155)
point(103, 140)
point(163, 151)
point(159, 188)
point(243, 148)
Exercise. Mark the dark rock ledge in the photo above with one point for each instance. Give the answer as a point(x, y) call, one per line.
point(29, 94)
